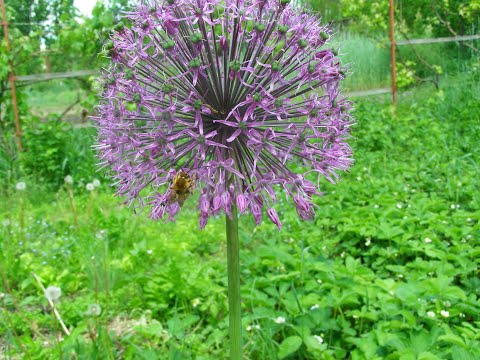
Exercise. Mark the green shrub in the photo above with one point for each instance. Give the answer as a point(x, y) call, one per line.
point(54, 149)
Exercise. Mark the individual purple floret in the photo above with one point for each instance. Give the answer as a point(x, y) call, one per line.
point(237, 100)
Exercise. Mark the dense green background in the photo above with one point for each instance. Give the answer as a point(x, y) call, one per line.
point(387, 270)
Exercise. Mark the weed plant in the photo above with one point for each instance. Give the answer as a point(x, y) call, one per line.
point(387, 270)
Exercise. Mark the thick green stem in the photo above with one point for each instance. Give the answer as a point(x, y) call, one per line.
point(233, 260)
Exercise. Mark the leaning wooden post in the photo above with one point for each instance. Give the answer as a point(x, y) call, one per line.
point(12, 79)
point(392, 53)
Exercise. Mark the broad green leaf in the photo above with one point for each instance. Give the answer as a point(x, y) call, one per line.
point(289, 346)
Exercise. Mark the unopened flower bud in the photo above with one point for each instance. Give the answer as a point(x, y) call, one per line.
point(272, 215)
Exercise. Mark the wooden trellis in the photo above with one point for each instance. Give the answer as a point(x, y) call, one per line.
point(18, 127)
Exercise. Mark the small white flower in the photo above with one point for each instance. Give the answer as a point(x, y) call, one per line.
point(21, 186)
point(252, 327)
point(391, 293)
point(399, 205)
point(314, 307)
point(96, 183)
point(452, 206)
point(430, 314)
point(94, 310)
point(195, 302)
point(318, 338)
point(319, 281)
point(53, 293)
point(400, 276)
point(376, 206)
point(427, 240)
point(368, 242)
point(445, 313)
point(68, 179)
point(2, 295)
point(90, 187)
point(458, 206)
point(447, 304)
point(462, 315)
point(342, 255)
point(149, 252)
point(359, 178)
point(280, 320)
point(469, 220)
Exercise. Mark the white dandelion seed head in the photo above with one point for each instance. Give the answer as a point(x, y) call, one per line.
point(68, 179)
point(53, 293)
point(280, 320)
point(149, 252)
point(94, 310)
point(90, 187)
point(427, 240)
point(96, 183)
point(431, 314)
point(21, 186)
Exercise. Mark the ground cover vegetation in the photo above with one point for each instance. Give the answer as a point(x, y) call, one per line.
point(387, 270)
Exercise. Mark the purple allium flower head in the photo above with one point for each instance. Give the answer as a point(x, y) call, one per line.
point(238, 100)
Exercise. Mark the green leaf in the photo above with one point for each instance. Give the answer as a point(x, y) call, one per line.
point(453, 339)
point(289, 346)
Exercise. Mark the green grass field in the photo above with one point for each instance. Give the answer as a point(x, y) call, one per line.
point(387, 270)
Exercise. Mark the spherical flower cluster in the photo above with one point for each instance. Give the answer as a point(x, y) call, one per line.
point(234, 99)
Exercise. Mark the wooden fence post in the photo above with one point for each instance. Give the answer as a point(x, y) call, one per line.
point(12, 78)
point(392, 53)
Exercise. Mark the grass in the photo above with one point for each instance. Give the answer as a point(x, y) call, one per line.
point(387, 270)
